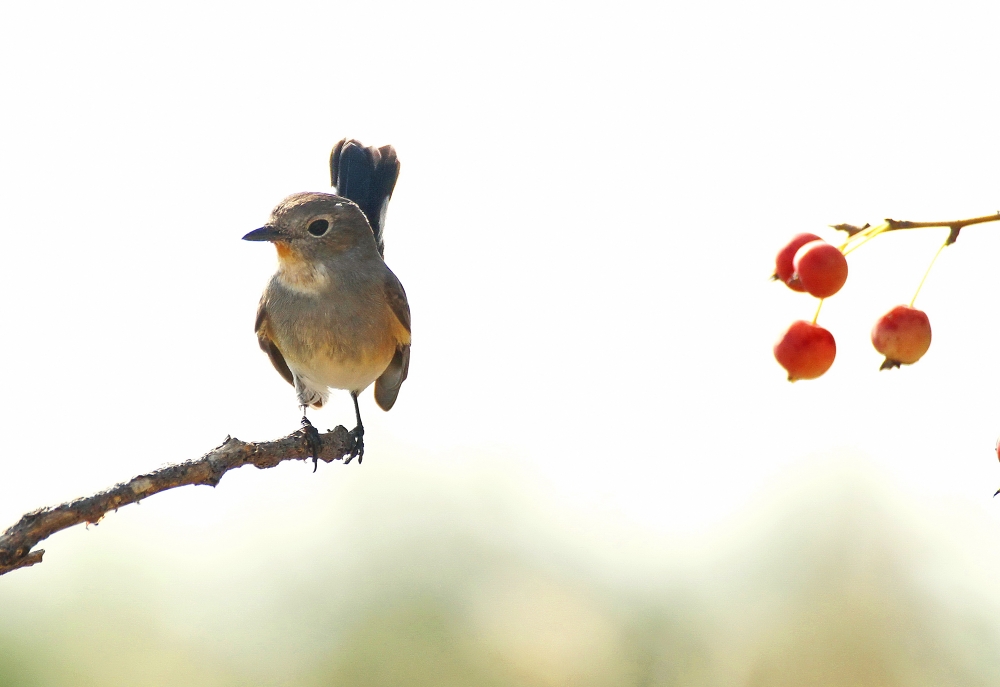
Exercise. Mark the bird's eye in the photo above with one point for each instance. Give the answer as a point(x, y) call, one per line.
point(318, 227)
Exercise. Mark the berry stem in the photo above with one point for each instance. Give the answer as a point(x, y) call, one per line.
point(862, 237)
point(818, 308)
point(944, 245)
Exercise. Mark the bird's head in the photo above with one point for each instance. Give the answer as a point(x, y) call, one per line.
point(313, 226)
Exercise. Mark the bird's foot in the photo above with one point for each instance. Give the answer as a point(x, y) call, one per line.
point(313, 441)
point(358, 434)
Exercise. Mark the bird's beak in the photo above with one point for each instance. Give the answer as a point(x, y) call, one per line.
point(265, 233)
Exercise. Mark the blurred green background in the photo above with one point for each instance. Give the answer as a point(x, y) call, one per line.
point(405, 584)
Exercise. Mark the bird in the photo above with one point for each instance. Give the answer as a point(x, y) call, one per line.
point(334, 316)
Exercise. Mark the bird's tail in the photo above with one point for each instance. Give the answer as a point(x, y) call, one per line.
point(367, 177)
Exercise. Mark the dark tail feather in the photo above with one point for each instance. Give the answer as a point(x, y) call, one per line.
point(366, 176)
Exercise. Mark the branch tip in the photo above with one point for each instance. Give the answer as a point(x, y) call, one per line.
point(23, 562)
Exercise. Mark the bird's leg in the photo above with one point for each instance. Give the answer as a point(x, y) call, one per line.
point(358, 433)
point(313, 441)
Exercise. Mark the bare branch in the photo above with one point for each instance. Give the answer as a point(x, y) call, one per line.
point(16, 543)
point(953, 224)
point(868, 232)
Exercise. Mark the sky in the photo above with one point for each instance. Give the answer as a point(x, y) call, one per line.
point(590, 202)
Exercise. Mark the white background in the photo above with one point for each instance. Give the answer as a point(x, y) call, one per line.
point(590, 201)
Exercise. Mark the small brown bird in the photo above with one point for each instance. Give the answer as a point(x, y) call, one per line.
point(334, 316)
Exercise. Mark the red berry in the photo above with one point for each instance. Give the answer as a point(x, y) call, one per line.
point(902, 335)
point(806, 350)
point(820, 268)
point(783, 268)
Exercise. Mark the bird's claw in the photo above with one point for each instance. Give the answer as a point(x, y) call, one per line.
point(313, 441)
point(358, 449)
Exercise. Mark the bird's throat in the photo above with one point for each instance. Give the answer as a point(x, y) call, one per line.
point(299, 273)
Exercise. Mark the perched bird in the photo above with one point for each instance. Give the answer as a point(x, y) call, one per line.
point(334, 316)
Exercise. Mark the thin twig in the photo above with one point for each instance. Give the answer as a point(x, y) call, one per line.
point(955, 225)
point(17, 542)
point(850, 229)
point(868, 232)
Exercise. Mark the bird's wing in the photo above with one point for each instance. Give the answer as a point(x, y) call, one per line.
point(263, 327)
point(395, 296)
point(387, 386)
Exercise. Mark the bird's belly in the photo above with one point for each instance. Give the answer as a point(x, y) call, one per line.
point(343, 341)
point(353, 373)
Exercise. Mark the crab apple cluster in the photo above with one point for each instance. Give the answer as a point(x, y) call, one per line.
point(809, 264)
